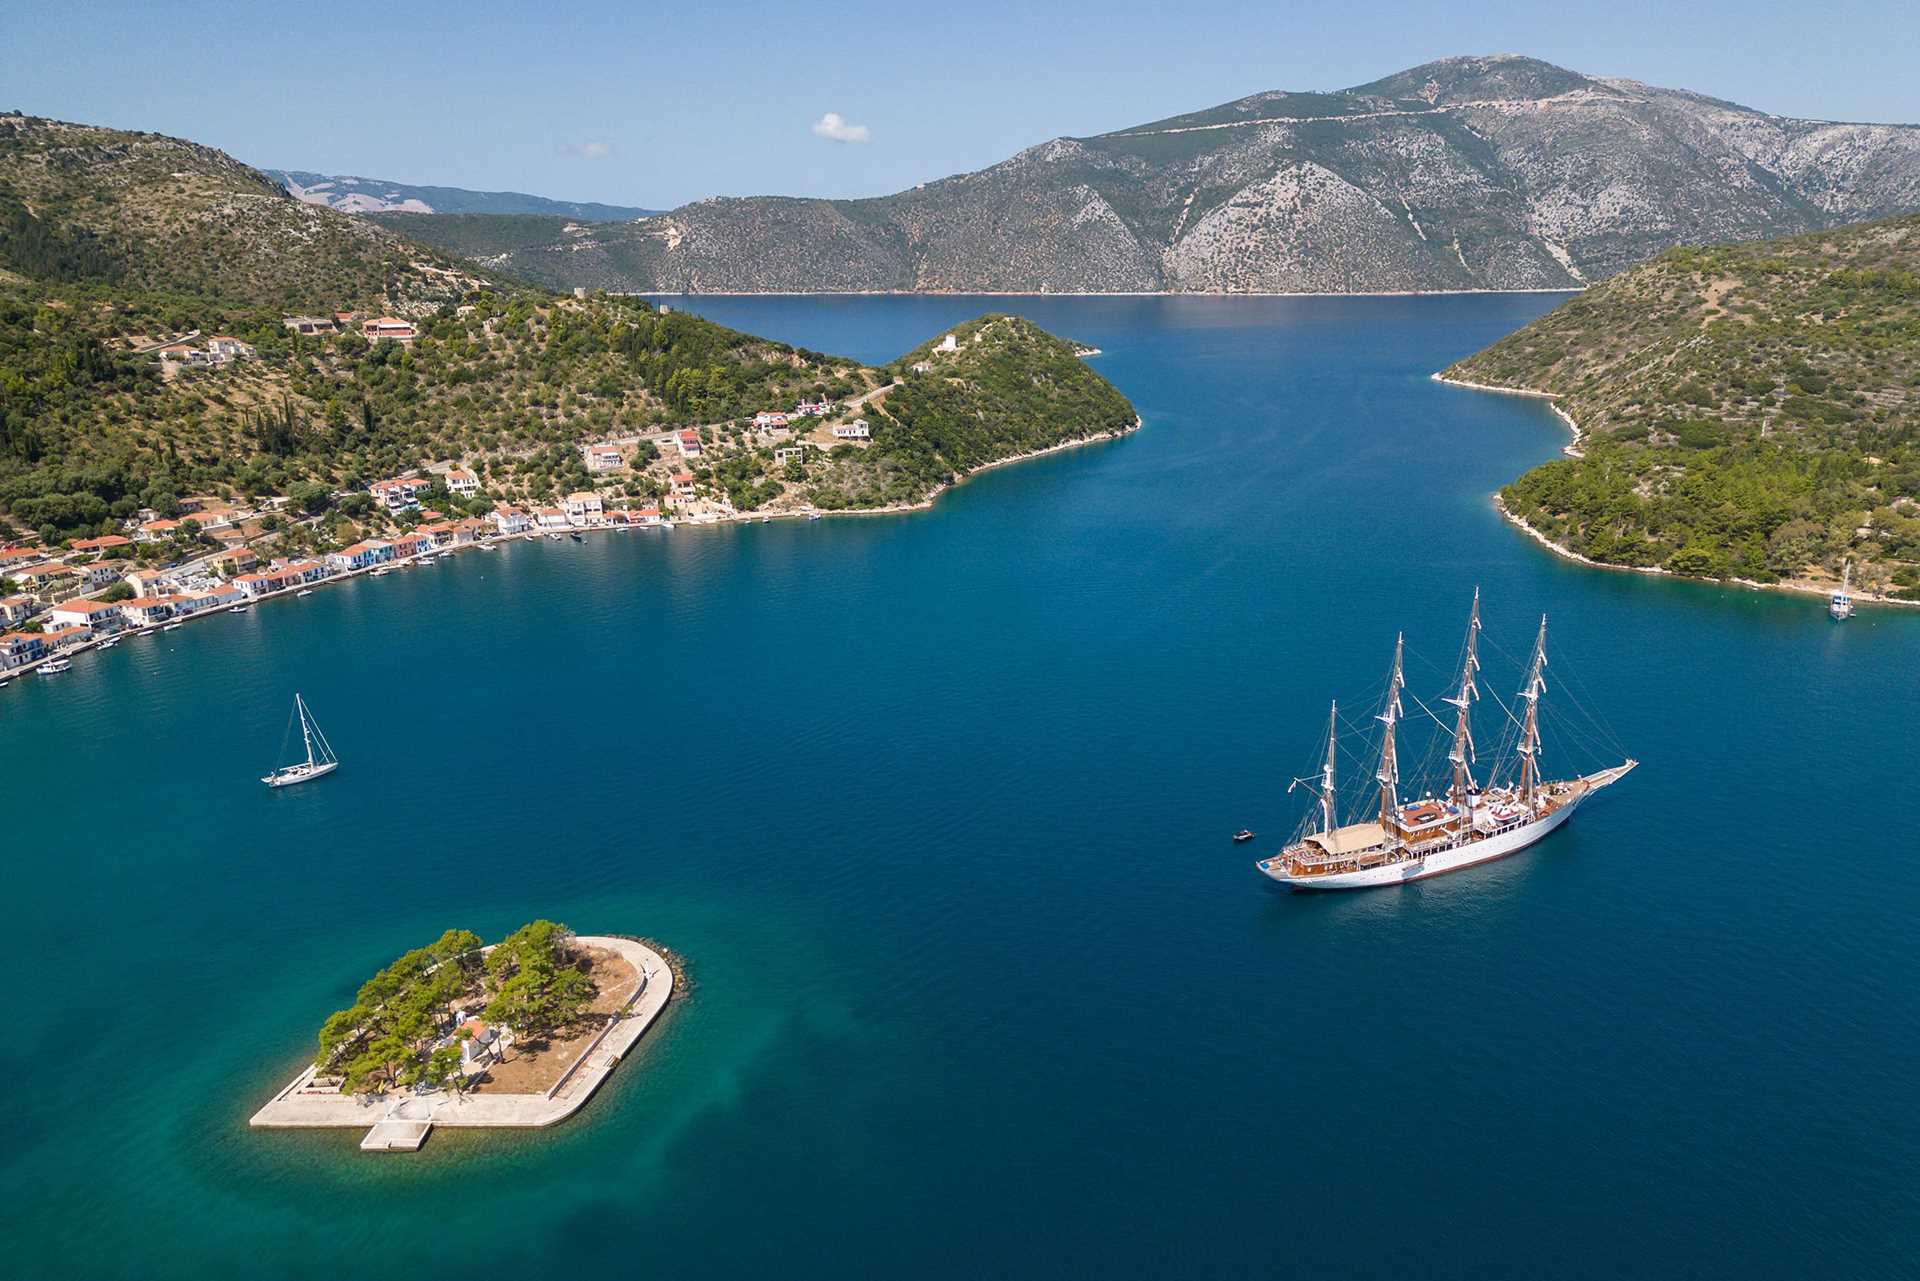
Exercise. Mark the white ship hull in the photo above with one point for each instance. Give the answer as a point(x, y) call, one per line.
point(300, 773)
point(1484, 850)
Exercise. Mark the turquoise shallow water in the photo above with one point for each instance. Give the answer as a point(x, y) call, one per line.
point(937, 806)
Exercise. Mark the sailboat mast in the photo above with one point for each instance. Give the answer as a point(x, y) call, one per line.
point(306, 730)
point(1329, 799)
point(1530, 731)
point(1461, 757)
point(1388, 775)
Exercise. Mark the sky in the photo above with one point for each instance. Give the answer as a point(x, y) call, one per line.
point(655, 105)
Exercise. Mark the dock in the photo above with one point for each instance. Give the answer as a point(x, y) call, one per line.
point(401, 1121)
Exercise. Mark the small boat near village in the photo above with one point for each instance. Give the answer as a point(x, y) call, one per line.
point(320, 760)
point(1469, 824)
point(55, 666)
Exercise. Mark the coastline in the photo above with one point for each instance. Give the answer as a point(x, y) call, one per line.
point(1797, 587)
point(531, 535)
point(1572, 449)
point(1078, 293)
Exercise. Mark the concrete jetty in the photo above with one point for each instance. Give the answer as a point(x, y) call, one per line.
point(400, 1120)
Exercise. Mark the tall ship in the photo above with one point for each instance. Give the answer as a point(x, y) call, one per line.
point(1399, 840)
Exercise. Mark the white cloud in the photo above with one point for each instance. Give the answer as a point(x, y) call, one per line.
point(587, 150)
point(831, 126)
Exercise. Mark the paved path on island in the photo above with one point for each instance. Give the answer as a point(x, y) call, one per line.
point(400, 1121)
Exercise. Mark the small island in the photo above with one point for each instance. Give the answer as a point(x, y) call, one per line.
point(515, 1034)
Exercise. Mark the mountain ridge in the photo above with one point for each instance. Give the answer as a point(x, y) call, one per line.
point(1499, 172)
point(354, 193)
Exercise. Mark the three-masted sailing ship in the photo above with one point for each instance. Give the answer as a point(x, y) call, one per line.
point(1408, 841)
point(320, 758)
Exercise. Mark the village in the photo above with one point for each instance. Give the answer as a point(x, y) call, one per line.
point(217, 554)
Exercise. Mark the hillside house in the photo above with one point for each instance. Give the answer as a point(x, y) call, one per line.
point(16, 609)
point(388, 329)
point(689, 442)
point(462, 483)
point(309, 325)
point(398, 494)
point(855, 430)
point(602, 458)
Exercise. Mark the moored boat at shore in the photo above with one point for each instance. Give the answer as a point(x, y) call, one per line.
point(1400, 841)
point(54, 666)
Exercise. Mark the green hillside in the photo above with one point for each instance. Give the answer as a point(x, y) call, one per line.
point(1751, 410)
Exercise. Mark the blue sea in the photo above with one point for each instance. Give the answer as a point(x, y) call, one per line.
point(937, 806)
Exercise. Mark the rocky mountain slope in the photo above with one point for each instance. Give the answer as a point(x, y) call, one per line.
point(350, 194)
point(1468, 173)
point(142, 211)
point(1749, 410)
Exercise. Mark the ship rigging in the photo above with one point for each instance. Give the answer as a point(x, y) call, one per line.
point(1465, 823)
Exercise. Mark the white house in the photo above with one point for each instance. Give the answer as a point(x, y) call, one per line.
point(96, 614)
point(855, 430)
point(585, 509)
point(689, 441)
point(551, 518)
point(949, 343)
point(462, 482)
point(359, 556)
point(511, 520)
point(223, 348)
point(790, 453)
point(398, 494)
point(146, 611)
point(604, 458)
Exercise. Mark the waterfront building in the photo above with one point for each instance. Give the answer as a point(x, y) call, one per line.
point(585, 508)
point(17, 649)
point(146, 611)
point(94, 614)
point(511, 520)
point(551, 518)
point(359, 556)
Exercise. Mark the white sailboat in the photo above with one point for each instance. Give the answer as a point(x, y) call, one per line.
point(320, 758)
point(1840, 608)
point(1410, 841)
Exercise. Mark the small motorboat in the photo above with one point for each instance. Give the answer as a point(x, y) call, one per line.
point(146, 631)
point(575, 536)
point(486, 547)
point(171, 627)
point(304, 591)
point(4, 683)
point(553, 538)
point(1242, 836)
point(813, 515)
point(55, 667)
point(240, 609)
point(109, 642)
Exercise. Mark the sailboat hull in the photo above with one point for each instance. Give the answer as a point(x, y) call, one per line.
point(302, 773)
point(1418, 869)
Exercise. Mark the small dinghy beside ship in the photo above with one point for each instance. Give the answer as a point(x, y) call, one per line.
point(1401, 842)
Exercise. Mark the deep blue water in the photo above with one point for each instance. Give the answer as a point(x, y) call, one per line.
point(937, 807)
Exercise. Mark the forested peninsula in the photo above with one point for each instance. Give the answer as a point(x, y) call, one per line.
point(1746, 411)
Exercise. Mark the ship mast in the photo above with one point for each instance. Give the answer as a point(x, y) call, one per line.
point(1529, 748)
point(1461, 757)
point(306, 730)
point(1328, 797)
point(1388, 774)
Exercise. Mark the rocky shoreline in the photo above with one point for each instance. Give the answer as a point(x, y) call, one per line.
point(1798, 587)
